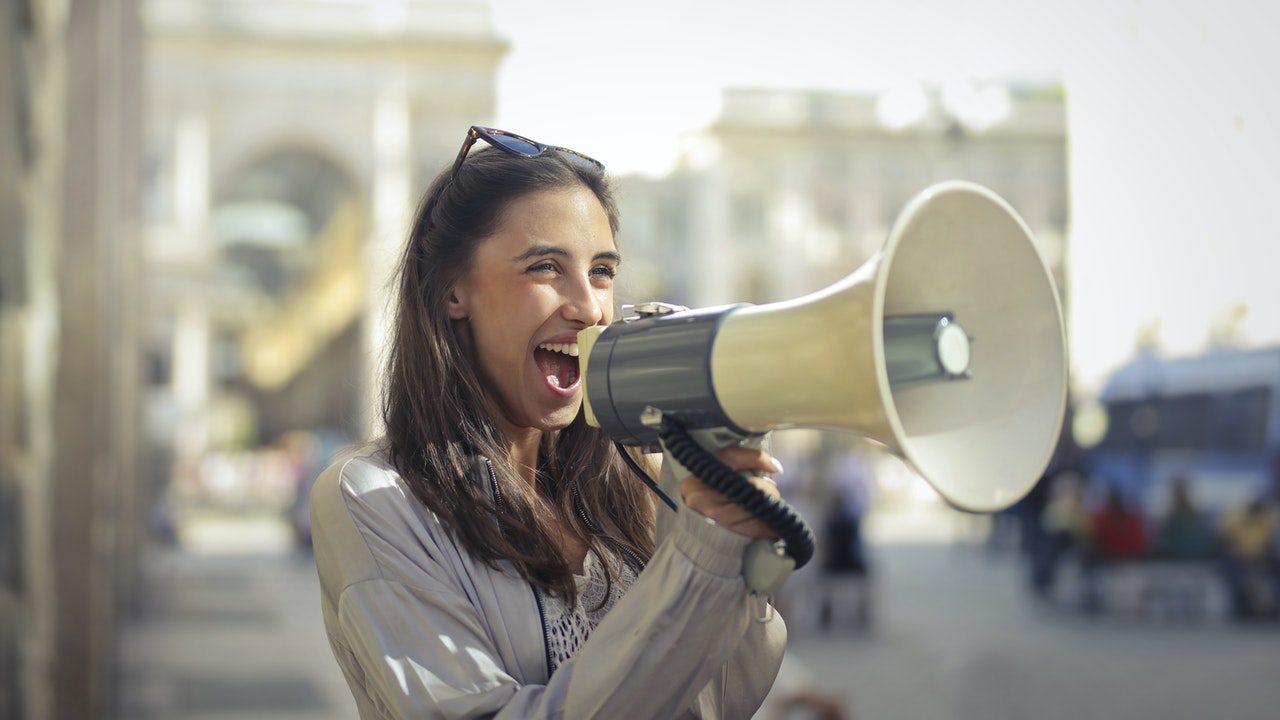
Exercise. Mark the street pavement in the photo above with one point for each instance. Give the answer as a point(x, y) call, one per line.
point(954, 634)
point(232, 630)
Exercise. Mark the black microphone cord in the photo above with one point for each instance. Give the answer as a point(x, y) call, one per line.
point(640, 473)
point(774, 512)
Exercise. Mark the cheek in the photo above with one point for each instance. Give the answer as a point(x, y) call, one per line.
point(497, 347)
point(606, 302)
point(503, 335)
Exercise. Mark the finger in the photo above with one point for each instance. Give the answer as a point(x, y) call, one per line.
point(717, 507)
point(708, 503)
point(730, 515)
point(748, 462)
point(703, 496)
point(736, 519)
point(692, 485)
point(740, 458)
point(754, 528)
point(766, 485)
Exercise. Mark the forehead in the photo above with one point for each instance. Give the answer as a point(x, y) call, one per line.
point(571, 218)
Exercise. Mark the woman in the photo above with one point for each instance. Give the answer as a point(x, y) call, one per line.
point(492, 555)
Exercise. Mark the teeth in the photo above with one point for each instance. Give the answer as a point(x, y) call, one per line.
point(570, 349)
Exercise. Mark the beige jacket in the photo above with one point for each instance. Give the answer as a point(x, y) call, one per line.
point(422, 630)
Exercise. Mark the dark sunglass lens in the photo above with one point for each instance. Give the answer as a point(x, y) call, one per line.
point(515, 144)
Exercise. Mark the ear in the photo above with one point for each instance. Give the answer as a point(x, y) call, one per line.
point(458, 306)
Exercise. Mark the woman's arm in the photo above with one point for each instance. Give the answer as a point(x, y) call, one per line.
point(415, 645)
point(744, 681)
point(742, 684)
point(688, 624)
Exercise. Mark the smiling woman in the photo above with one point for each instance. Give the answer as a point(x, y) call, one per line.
point(466, 557)
point(546, 273)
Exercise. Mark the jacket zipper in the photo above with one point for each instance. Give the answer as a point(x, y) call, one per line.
point(493, 483)
point(631, 558)
point(546, 636)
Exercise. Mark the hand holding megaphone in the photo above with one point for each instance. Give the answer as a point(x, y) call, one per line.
point(947, 347)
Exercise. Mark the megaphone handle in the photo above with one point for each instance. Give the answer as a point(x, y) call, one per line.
point(766, 566)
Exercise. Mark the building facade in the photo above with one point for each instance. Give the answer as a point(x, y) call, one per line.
point(789, 191)
point(287, 144)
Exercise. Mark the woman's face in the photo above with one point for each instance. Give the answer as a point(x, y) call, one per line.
point(546, 273)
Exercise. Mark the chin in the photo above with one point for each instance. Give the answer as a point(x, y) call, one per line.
point(561, 418)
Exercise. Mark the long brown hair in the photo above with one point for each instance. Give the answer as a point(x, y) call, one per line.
point(440, 429)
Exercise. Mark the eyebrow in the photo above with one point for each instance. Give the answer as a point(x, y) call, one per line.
point(538, 250)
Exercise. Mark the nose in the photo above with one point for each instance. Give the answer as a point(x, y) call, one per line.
point(584, 303)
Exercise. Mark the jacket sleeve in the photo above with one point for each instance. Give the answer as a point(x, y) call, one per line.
point(682, 640)
point(740, 687)
point(685, 635)
point(742, 683)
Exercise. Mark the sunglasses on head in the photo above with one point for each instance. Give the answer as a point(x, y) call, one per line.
point(513, 144)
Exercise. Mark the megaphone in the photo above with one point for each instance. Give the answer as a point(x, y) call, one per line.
point(947, 347)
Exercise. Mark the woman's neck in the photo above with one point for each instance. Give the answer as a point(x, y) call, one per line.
point(523, 443)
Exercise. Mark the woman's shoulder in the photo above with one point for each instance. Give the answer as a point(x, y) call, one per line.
point(366, 523)
point(362, 484)
point(360, 469)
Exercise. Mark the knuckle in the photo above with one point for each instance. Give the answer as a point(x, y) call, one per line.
point(738, 458)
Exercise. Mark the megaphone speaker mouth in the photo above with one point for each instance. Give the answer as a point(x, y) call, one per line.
point(984, 442)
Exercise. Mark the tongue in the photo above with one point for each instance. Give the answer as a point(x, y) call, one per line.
point(559, 369)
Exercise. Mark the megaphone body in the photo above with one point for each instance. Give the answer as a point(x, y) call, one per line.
point(947, 347)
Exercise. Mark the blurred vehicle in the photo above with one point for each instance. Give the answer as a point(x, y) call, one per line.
point(1186, 444)
point(1211, 420)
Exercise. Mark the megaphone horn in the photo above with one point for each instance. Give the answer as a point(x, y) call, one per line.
point(947, 347)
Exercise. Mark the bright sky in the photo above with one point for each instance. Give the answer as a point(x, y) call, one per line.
point(1173, 140)
point(625, 79)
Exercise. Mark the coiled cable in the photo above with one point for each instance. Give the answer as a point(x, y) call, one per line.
point(774, 512)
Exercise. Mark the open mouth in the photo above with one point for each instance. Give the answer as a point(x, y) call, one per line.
point(558, 364)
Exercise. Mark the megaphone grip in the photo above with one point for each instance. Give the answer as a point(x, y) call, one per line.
point(774, 512)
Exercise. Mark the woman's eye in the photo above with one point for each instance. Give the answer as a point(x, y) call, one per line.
point(604, 271)
point(543, 267)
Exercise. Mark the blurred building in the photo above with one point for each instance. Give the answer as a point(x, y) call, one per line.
point(199, 205)
point(790, 190)
point(70, 494)
point(286, 146)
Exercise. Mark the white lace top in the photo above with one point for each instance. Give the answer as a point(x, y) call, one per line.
point(568, 628)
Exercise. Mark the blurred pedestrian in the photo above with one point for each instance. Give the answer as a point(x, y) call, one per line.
point(1065, 529)
point(845, 567)
point(1185, 533)
point(1248, 538)
point(1117, 533)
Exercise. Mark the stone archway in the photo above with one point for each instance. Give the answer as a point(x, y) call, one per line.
point(289, 230)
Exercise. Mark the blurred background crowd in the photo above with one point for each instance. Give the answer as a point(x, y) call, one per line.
point(200, 201)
